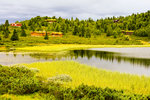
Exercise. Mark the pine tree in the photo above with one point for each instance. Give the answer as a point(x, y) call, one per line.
point(76, 31)
point(23, 33)
point(6, 23)
point(14, 36)
point(6, 29)
point(46, 36)
point(82, 31)
point(6, 34)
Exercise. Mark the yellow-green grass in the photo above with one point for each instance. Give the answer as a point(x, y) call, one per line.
point(63, 47)
point(20, 97)
point(93, 76)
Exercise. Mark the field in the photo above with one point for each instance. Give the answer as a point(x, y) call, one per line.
point(109, 84)
point(92, 76)
point(98, 40)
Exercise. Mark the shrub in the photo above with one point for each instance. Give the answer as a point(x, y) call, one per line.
point(60, 78)
point(17, 80)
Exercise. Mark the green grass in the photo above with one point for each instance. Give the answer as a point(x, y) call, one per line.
point(83, 74)
point(69, 39)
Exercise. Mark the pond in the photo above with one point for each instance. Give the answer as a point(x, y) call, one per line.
point(125, 60)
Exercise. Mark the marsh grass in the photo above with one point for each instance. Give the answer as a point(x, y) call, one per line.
point(64, 47)
point(83, 74)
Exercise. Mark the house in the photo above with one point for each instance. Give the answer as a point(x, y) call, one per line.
point(56, 34)
point(116, 21)
point(127, 32)
point(16, 24)
point(50, 20)
point(39, 33)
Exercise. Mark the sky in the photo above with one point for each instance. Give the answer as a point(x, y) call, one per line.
point(14, 10)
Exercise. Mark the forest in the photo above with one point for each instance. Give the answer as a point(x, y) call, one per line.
point(136, 24)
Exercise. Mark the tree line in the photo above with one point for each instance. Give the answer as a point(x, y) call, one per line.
point(111, 26)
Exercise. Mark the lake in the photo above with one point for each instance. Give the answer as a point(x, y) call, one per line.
point(124, 60)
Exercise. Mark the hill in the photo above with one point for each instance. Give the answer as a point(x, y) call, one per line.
point(132, 29)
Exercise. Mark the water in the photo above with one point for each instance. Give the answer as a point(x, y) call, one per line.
point(125, 60)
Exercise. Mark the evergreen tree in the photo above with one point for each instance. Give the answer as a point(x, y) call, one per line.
point(23, 33)
point(6, 23)
point(83, 31)
point(6, 34)
point(46, 36)
point(6, 29)
point(109, 30)
point(14, 37)
point(76, 31)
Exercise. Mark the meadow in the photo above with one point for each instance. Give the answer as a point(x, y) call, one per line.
point(70, 39)
point(83, 74)
point(69, 80)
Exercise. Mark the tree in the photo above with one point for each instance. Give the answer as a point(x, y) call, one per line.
point(82, 31)
point(23, 33)
point(88, 33)
point(6, 34)
point(76, 30)
point(109, 30)
point(14, 37)
point(23, 26)
point(6, 29)
point(46, 36)
point(57, 28)
point(6, 23)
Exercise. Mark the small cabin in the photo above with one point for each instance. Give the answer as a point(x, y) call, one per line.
point(116, 21)
point(56, 34)
point(127, 32)
point(16, 24)
point(39, 33)
point(51, 20)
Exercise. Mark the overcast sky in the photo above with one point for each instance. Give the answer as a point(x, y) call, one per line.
point(83, 9)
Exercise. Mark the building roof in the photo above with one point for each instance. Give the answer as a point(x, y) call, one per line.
point(40, 32)
point(57, 33)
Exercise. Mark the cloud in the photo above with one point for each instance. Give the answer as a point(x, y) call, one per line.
point(71, 8)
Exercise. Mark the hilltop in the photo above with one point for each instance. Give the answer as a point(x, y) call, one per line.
point(132, 29)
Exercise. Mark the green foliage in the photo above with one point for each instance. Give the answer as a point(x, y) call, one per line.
point(46, 36)
point(6, 23)
point(14, 37)
point(23, 33)
point(21, 80)
point(84, 92)
point(17, 80)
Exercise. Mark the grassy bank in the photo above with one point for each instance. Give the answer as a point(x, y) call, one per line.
point(69, 39)
point(83, 74)
point(63, 47)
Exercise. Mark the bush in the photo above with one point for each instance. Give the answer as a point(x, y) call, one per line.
point(17, 80)
point(60, 78)
point(21, 80)
point(84, 92)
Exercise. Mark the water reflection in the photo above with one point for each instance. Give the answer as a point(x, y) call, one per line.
point(102, 59)
point(110, 56)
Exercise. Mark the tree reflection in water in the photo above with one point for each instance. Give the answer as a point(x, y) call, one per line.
point(101, 55)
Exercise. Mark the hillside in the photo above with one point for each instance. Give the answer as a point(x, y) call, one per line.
point(133, 29)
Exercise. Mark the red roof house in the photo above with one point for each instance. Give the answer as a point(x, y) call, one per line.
point(39, 33)
point(16, 24)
